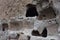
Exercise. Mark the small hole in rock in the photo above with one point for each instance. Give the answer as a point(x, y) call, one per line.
point(4, 26)
point(31, 10)
point(35, 33)
point(44, 33)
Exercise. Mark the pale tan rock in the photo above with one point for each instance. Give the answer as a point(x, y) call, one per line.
point(9, 8)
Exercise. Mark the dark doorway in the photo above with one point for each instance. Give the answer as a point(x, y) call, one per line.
point(44, 33)
point(4, 26)
point(35, 33)
point(31, 10)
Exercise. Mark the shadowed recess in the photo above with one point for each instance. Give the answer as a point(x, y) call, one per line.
point(31, 10)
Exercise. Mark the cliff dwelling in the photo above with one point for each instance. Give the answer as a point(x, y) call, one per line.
point(29, 19)
point(31, 10)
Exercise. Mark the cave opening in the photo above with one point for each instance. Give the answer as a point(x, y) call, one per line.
point(31, 10)
point(4, 26)
point(43, 34)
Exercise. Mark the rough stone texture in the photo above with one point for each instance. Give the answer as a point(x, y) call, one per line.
point(21, 24)
point(9, 8)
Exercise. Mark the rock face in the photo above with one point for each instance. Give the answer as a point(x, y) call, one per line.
point(10, 8)
point(13, 20)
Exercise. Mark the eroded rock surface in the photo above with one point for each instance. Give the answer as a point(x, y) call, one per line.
point(20, 27)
